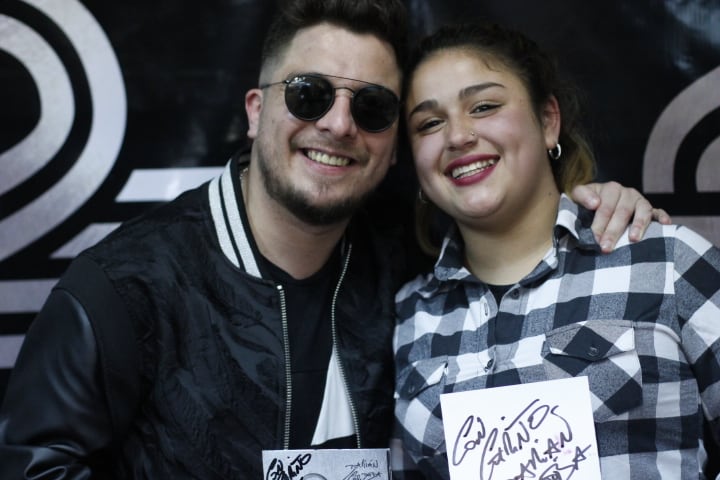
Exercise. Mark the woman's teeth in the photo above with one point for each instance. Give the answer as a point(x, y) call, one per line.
point(472, 168)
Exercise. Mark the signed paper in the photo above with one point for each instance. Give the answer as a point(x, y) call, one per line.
point(539, 431)
point(338, 464)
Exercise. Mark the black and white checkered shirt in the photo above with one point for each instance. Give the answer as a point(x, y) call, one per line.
point(642, 323)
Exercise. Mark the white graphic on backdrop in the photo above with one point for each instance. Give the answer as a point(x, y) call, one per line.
point(108, 104)
point(56, 97)
point(109, 109)
point(58, 112)
point(677, 120)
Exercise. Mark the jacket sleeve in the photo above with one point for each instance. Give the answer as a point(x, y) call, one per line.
point(57, 418)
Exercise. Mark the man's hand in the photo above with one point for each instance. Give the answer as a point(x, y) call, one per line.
point(614, 207)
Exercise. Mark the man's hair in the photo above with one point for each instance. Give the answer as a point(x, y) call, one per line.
point(385, 19)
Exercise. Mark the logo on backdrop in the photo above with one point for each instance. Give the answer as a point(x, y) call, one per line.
point(682, 156)
point(81, 122)
point(69, 72)
point(64, 128)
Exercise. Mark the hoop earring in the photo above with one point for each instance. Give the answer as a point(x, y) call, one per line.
point(421, 197)
point(555, 152)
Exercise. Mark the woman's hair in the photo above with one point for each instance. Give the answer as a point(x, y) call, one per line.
point(507, 48)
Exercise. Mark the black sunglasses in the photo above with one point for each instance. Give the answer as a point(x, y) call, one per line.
point(308, 97)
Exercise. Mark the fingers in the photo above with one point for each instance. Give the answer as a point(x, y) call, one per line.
point(618, 205)
point(615, 206)
point(644, 214)
point(660, 215)
point(604, 198)
point(641, 220)
point(586, 195)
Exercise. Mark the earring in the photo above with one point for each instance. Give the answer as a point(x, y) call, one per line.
point(421, 197)
point(555, 152)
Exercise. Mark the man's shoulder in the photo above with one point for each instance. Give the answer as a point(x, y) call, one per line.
point(161, 227)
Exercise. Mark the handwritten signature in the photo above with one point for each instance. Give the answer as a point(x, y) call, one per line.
point(529, 446)
point(277, 471)
point(356, 472)
point(362, 470)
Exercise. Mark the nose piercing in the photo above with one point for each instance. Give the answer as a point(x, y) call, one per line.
point(472, 134)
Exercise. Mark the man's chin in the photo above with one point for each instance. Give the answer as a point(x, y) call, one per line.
point(324, 215)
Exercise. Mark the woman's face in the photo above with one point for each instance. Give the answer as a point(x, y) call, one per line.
point(480, 150)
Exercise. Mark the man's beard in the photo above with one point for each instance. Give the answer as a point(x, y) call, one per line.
point(299, 204)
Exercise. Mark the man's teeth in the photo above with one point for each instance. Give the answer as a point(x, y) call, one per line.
point(472, 168)
point(328, 159)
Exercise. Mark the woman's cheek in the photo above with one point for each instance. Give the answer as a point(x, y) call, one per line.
point(426, 152)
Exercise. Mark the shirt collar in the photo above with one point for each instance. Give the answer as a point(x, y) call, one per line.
point(575, 220)
point(572, 220)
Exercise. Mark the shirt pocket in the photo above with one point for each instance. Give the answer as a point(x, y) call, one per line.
point(604, 351)
point(419, 386)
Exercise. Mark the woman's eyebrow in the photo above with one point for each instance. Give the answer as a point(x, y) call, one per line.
point(473, 89)
point(464, 93)
point(423, 106)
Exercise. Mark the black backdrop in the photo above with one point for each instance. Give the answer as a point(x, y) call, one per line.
point(107, 108)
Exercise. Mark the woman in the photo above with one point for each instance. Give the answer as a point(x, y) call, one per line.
point(521, 290)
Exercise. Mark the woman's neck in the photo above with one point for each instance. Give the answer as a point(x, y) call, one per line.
point(502, 253)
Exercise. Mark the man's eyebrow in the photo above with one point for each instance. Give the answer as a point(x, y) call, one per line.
point(464, 93)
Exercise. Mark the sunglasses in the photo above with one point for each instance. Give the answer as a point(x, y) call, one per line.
point(308, 97)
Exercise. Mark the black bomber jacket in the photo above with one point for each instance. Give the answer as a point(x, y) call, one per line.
point(160, 352)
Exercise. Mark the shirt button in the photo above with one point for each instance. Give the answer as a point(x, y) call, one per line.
point(515, 293)
point(593, 351)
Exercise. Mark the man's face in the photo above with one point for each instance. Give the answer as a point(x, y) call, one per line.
point(322, 170)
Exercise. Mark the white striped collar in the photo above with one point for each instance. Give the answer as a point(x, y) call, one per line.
point(232, 234)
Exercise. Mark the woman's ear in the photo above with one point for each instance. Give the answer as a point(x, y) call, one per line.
point(551, 122)
point(253, 107)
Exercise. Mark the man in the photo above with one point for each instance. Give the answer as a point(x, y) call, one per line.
point(252, 313)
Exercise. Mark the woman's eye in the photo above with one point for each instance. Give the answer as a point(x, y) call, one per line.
point(427, 125)
point(484, 107)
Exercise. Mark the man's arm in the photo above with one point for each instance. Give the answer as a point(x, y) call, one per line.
point(75, 386)
point(615, 206)
point(54, 415)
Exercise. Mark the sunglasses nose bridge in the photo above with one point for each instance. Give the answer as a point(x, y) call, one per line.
point(338, 116)
point(352, 92)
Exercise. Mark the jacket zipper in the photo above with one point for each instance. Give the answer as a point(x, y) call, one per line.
point(353, 409)
point(288, 368)
point(288, 371)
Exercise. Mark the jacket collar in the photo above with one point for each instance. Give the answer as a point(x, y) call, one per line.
point(228, 215)
point(230, 220)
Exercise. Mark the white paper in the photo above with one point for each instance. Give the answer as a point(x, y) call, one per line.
point(539, 431)
point(328, 464)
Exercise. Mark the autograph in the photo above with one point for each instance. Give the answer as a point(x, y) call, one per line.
point(535, 444)
point(357, 470)
point(277, 471)
point(366, 469)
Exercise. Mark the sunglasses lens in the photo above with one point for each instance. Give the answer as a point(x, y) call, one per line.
point(375, 108)
point(309, 98)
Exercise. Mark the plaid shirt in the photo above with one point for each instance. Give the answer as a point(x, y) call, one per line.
point(642, 323)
